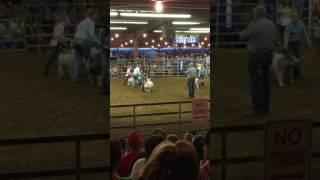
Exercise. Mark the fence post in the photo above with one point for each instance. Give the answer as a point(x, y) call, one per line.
point(223, 155)
point(78, 159)
point(180, 120)
point(134, 117)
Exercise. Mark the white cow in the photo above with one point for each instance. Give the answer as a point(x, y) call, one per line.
point(281, 65)
point(148, 86)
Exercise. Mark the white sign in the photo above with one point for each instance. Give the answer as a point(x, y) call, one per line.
point(186, 39)
point(288, 152)
point(200, 110)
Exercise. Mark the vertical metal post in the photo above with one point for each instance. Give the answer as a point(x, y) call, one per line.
point(78, 159)
point(134, 117)
point(224, 156)
point(180, 120)
point(217, 22)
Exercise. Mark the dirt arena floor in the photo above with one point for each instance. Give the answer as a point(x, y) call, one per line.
point(232, 99)
point(167, 89)
point(33, 105)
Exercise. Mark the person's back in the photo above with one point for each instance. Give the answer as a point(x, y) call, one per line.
point(260, 33)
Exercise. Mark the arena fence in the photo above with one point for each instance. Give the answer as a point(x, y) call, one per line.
point(77, 171)
point(135, 115)
point(226, 161)
point(157, 68)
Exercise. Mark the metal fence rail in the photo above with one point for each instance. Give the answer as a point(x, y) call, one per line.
point(225, 160)
point(77, 171)
point(135, 115)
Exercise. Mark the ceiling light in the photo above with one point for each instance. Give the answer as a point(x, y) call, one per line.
point(202, 43)
point(116, 35)
point(152, 47)
point(127, 22)
point(121, 45)
point(114, 13)
point(205, 38)
point(209, 45)
point(111, 39)
point(131, 41)
point(185, 23)
point(199, 29)
point(152, 41)
point(196, 32)
point(146, 43)
point(144, 35)
point(161, 38)
point(159, 45)
point(153, 15)
point(192, 45)
point(158, 6)
point(126, 43)
point(118, 28)
point(157, 31)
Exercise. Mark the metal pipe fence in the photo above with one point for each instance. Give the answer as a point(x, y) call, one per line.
point(226, 160)
point(135, 115)
point(79, 168)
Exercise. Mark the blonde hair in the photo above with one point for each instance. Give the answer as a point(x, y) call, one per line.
point(170, 161)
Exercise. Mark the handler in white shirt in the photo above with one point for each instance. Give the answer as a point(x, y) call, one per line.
point(85, 38)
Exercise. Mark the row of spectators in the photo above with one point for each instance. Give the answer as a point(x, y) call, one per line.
point(161, 157)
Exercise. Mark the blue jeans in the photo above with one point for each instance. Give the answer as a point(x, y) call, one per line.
point(191, 86)
point(259, 72)
point(82, 50)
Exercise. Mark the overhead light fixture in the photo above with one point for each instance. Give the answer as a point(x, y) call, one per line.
point(161, 38)
point(152, 41)
point(154, 15)
point(126, 43)
point(195, 32)
point(157, 31)
point(118, 28)
point(158, 6)
point(185, 23)
point(144, 35)
point(127, 22)
point(116, 35)
point(159, 45)
point(146, 43)
point(205, 38)
point(112, 13)
point(131, 41)
point(165, 43)
point(121, 45)
point(209, 45)
point(152, 47)
point(112, 39)
point(199, 29)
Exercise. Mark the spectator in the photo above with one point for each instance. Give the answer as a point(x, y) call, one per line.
point(159, 132)
point(151, 143)
point(56, 43)
point(261, 36)
point(85, 38)
point(204, 173)
point(172, 137)
point(115, 152)
point(134, 153)
point(188, 137)
point(170, 161)
point(294, 33)
point(198, 143)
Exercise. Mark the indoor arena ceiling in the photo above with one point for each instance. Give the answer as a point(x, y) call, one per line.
point(126, 27)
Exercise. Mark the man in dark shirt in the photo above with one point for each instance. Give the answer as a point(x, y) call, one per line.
point(261, 36)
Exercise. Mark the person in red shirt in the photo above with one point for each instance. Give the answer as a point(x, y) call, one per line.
point(134, 153)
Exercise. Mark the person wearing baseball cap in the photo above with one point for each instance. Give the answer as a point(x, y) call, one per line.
point(134, 153)
point(191, 76)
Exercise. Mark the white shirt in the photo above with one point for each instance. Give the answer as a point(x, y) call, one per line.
point(137, 168)
point(136, 71)
point(86, 31)
point(58, 34)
